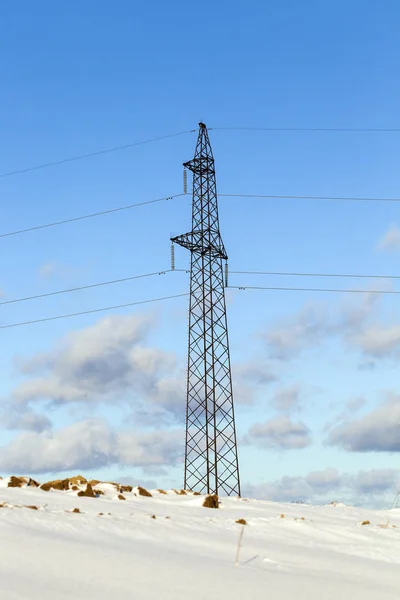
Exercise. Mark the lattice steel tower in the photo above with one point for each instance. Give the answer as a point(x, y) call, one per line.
point(211, 459)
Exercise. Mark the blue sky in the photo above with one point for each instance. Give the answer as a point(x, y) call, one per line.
point(77, 79)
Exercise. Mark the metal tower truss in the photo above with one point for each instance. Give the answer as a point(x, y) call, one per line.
point(211, 459)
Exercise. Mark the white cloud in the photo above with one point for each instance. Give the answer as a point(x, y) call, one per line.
point(324, 481)
point(249, 379)
point(355, 325)
point(107, 362)
point(377, 431)
point(391, 240)
point(47, 270)
point(313, 324)
point(23, 418)
point(279, 433)
point(90, 444)
point(378, 341)
point(364, 487)
point(289, 338)
point(287, 398)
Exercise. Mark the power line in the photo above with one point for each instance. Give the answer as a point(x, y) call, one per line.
point(180, 133)
point(350, 276)
point(90, 286)
point(96, 153)
point(165, 271)
point(333, 129)
point(280, 197)
point(165, 198)
point(89, 216)
point(294, 289)
point(87, 312)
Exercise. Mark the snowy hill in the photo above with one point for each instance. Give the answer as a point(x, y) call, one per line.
point(49, 552)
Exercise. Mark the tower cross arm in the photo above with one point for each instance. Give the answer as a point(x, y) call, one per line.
point(197, 242)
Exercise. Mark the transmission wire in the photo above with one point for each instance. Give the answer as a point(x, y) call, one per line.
point(294, 289)
point(87, 312)
point(89, 216)
point(293, 274)
point(280, 197)
point(96, 153)
point(87, 287)
point(332, 129)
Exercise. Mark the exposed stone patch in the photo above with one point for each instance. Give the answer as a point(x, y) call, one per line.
point(88, 493)
point(32, 483)
point(143, 492)
point(211, 501)
point(57, 484)
point(16, 482)
point(77, 480)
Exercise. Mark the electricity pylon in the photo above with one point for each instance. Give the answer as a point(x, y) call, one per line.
point(211, 459)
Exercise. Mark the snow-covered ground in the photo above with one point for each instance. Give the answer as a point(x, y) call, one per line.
point(188, 551)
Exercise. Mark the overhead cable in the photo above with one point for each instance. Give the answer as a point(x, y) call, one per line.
point(327, 129)
point(295, 289)
point(87, 287)
point(89, 216)
point(293, 274)
point(290, 197)
point(92, 154)
point(88, 312)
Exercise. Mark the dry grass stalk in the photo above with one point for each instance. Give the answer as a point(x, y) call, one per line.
point(239, 546)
